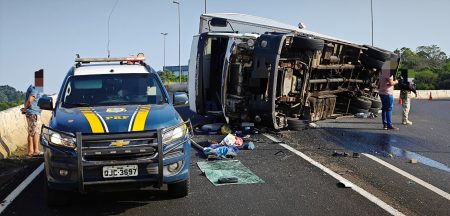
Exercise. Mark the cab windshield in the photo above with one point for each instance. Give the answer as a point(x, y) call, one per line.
point(112, 89)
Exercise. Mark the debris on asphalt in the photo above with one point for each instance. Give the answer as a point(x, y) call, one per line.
point(228, 180)
point(365, 115)
point(340, 154)
point(212, 128)
point(249, 146)
point(413, 161)
point(226, 171)
point(356, 155)
point(219, 152)
point(225, 129)
point(313, 125)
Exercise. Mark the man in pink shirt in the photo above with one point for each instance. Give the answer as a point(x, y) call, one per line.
point(386, 91)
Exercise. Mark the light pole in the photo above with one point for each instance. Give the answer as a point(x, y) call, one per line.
point(164, 35)
point(205, 6)
point(371, 17)
point(179, 38)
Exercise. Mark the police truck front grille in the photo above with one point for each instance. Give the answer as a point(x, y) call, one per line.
point(120, 146)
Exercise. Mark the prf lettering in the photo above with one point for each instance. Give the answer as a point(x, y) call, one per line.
point(116, 117)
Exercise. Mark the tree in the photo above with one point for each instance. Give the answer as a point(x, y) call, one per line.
point(432, 56)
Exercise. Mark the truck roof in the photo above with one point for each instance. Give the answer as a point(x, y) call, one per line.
point(95, 69)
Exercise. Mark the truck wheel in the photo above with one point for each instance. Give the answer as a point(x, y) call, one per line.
point(355, 110)
point(362, 103)
point(371, 62)
point(374, 110)
point(55, 198)
point(179, 189)
point(377, 53)
point(307, 43)
point(296, 124)
point(376, 103)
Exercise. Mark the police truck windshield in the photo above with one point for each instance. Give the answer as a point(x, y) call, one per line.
point(112, 89)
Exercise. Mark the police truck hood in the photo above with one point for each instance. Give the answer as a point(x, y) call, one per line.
point(115, 119)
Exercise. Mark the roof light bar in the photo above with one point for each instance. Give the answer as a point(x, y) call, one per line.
point(139, 58)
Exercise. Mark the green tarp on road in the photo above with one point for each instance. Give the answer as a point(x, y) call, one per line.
point(228, 168)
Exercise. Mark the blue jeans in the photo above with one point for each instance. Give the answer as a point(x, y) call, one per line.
point(387, 102)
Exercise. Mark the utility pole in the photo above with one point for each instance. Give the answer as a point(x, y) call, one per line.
point(164, 36)
point(371, 17)
point(179, 38)
point(205, 6)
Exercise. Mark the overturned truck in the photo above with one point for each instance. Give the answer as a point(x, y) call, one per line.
point(254, 69)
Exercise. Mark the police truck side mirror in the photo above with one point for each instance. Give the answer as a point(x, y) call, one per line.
point(180, 98)
point(46, 103)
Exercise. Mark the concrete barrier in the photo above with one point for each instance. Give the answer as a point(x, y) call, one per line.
point(425, 94)
point(13, 129)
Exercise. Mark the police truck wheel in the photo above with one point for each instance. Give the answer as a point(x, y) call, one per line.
point(179, 189)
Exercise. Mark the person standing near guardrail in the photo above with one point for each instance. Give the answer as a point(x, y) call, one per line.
point(33, 115)
point(386, 92)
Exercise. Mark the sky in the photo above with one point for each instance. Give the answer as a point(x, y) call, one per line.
point(48, 34)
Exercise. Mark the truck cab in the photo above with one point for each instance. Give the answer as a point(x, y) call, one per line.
point(113, 128)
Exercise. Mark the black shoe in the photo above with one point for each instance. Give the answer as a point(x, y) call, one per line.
point(392, 128)
point(385, 127)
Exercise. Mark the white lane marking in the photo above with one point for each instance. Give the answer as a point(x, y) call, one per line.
point(8, 200)
point(411, 177)
point(341, 179)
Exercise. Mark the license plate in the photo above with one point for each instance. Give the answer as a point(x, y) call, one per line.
point(120, 171)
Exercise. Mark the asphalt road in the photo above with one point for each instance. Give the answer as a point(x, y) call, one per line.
point(292, 186)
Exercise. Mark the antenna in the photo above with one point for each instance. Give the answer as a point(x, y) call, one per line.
point(109, 18)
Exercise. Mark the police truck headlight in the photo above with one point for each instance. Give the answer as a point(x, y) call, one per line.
point(174, 135)
point(59, 139)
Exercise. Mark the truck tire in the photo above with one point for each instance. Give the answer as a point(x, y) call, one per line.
point(378, 53)
point(56, 198)
point(296, 124)
point(179, 189)
point(362, 103)
point(374, 110)
point(355, 110)
point(376, 103)
point(307, 43)
point(371, 62)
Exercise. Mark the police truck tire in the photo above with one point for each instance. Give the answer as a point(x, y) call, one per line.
point(307, 43)
point(179, 189)
point(362, 103)
point(378, 53)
